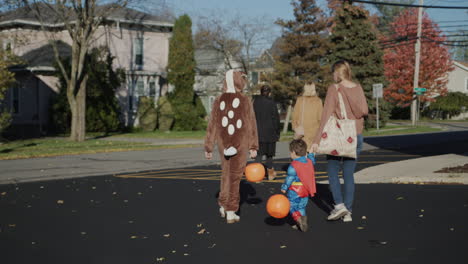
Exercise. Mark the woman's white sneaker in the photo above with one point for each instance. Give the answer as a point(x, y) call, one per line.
point(347, 218)
point(339, 211)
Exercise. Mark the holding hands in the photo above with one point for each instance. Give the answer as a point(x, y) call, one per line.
point(313, 148)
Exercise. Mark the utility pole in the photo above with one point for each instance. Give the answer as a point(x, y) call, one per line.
point(417, 49)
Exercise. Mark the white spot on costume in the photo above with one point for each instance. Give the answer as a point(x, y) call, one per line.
point(235, 102)
point(224, 121)
point(231, 130)
point(239, 123)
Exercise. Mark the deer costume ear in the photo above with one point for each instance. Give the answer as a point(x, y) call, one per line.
point(230, 82)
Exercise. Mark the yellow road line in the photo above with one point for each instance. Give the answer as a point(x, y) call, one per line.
point(193, 174)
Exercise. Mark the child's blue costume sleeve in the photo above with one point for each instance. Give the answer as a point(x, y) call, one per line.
point(290, 177)
point(311, 156)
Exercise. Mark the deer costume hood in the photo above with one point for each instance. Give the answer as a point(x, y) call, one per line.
point(233, 127)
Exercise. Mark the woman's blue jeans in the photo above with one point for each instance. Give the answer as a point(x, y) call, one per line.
point(349, 165)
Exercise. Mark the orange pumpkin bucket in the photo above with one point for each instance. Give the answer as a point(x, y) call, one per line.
point(278, 206)
point(254, 172)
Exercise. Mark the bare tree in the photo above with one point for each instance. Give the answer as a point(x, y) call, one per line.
point(240, 38)
point(80, 19)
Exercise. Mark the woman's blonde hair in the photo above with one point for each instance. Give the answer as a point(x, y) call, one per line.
point(342, 70)
point(309, 89)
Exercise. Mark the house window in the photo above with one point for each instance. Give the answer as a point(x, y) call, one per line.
point(254, 78)
point(7, 45)
point(15, 100)
point(139, 52)
point(140, 87)
point(152, 88)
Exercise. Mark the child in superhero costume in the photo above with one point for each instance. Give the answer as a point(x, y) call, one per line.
point(233, 127)
point(300, 181)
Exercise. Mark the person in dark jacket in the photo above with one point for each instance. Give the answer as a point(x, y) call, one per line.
point(268, 127)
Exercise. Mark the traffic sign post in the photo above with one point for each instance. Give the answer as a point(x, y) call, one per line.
point(418, 91)
point(377, 92)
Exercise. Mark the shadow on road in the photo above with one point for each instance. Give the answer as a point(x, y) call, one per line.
point(427, 144)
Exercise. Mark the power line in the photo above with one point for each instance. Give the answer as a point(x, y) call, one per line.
point(407, 5)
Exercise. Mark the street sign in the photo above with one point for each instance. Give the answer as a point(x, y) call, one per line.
point(377, 90)
point(421, 90)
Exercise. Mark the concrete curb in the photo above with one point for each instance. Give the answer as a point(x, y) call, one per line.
point(420, 170)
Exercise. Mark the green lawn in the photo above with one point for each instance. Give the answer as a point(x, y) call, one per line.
point(164, 135)
point(34, 148)
point(399, 130)
point(47, 147)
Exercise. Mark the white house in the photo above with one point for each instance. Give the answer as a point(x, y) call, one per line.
point(458, 78)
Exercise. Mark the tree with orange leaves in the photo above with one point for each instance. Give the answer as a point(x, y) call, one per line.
point(399, 59)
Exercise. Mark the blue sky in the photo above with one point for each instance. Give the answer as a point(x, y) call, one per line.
point(282, 8)
point(274, 9)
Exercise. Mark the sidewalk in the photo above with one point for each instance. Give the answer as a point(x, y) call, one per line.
point(72, 166)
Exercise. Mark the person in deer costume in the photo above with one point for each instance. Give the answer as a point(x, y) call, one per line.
point(233, 127)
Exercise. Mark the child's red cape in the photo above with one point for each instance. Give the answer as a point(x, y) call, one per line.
point(306, 174)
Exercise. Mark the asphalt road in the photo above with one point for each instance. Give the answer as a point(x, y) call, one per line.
point(118, 220)
point(170, 216)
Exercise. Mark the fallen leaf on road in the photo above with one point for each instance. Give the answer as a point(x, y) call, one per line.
point(83, 233)
point(160, 259)
point(422, 210)
point(173, 251)
point(94, 187)
point(401, 198)
point(360, 227)
point(421, 215)
point(114, 193)
point(12, 225)
point(201, 231)
point(212, 246)
point(186, 254)
point(185, 245)
point(133, 237)
point(60, 201)
point(166, 235)
point(282, 246)
point(4, 193)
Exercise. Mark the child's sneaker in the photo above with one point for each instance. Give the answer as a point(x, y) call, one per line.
point(302, 223)
point(222, 212)
point(339, 211)
point(231, 217)
point(347, 218)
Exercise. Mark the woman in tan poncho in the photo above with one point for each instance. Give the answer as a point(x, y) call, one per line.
point(307, 113)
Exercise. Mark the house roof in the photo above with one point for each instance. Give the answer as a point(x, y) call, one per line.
point(461, 64)
point(44, 55)
point(208, 59)
point(25, 15)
